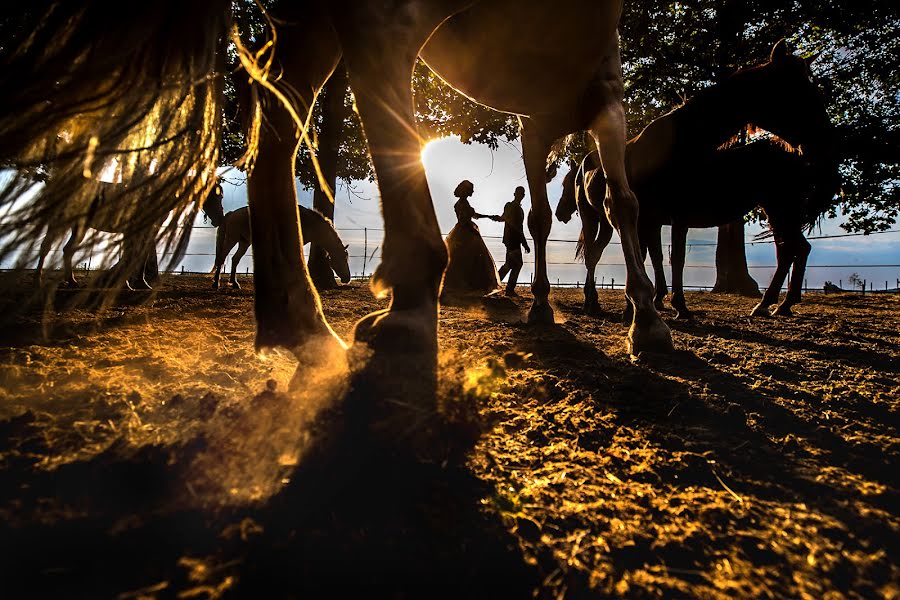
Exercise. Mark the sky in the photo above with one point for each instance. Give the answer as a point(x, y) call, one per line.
point(496, 174)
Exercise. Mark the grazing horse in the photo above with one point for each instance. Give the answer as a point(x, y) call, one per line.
point(138, 250)
point(676, 167)
point(234, 228)
point(149, 84)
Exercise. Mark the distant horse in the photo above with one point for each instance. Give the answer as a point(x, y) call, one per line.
point(683, 184)
point(317, 228)
point(138, 249)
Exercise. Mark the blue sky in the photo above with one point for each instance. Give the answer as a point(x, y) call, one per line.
point(497, 173)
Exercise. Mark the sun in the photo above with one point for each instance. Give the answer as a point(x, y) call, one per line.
point(427, 151)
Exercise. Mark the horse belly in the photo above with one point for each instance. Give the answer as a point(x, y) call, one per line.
point(525, 57)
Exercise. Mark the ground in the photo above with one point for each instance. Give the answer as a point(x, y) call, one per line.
point(151, 453)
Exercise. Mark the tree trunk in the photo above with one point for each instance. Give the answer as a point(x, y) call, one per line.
point(732, 274)
point(333, 114)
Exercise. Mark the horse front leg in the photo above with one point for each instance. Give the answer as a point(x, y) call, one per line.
point(594, 251)
point(402, 339)
point(287, 306)
point(535, 150)
point(679, 245)
point(783, 255)
point(647, 331)
point(801, 250)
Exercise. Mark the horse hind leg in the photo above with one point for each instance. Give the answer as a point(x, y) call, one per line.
point(647, 331)
point(679, 244)
point(784, 256)
point(592, 256)
point(235, 260)
point(654, 247)
point(801, 250)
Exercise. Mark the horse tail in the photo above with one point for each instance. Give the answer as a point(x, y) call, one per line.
point(92, 92)
point(579, 247)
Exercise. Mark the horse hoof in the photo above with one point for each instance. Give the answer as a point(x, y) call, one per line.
point(215, 285)
point(782, 310)
point(592, 309)
point(658, 303)
point(683, 314)
point(540, 314)
point(651, 336)
point(760, 310)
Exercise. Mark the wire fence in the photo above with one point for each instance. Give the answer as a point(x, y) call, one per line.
point(368, 240)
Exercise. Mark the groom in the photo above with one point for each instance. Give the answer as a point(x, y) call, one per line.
point(513, 218)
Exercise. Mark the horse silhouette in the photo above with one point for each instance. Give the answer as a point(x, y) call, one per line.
point(234, 229)
point(138, 262)
point(684, 184)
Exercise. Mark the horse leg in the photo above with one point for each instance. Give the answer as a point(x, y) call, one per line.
point(801, 252)
point(647, 331)
point(242, 249)
point(652, 235)
point(287, 308)
point(679, 245)
point(590, 224)
point(69, 250)
point(783, 255)
point(134, 259)
point(380, 50)
point(46, 246)
point(535, 149)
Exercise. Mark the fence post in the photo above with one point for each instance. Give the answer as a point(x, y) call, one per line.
point(182, 269)
point(612, 283)
point(365, 250)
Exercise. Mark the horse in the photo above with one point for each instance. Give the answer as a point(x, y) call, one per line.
point(679, 182)
point(234, 228)
point(789, 190)
point(138, 262)
point(149, 83)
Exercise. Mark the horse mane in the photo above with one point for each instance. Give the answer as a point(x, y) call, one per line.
point(88, 89)
point(328, 224)
point(750, 134)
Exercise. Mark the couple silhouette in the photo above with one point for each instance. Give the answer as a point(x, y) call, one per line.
point(471, 268)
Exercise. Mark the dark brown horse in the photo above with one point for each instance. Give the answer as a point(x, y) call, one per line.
point(792, 193)
point(684, 184)
point(148, 84)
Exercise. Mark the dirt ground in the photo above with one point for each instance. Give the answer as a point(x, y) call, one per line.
point(150, 452)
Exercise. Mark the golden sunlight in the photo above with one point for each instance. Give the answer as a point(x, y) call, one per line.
point(427, 151)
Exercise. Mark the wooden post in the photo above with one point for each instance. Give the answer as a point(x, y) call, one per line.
point(365, 250)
